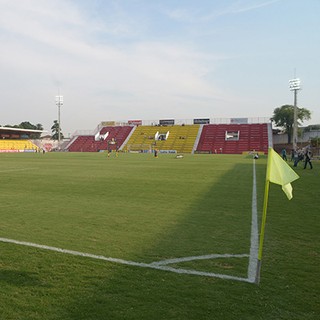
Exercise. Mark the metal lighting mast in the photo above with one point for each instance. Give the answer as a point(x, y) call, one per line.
point(59, 103)
point(294, 85)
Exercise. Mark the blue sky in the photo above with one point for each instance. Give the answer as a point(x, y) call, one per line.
point(148, 59)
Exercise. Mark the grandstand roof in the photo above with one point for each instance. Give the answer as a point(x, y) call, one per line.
point(21, 130)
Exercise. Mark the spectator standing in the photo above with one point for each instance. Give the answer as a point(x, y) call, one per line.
point(284, 154)
point(307, 159)
point(295, 157)
point(292, 155)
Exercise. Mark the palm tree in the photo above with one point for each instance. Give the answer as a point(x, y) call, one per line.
point(55, 131)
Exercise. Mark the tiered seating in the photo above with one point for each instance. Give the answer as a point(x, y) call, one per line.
point(89, 144)
point(212, 138)
point(251, 137)
point(7, 145)
point(142, 136)
point(244, 141)
point(185, 138)
point(181, 138)
point(83, 144)
point(259, 137)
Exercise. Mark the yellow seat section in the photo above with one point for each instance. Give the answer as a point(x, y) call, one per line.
point(185, 138)
point(143, 135)
point(8, 144)
point(178, 137)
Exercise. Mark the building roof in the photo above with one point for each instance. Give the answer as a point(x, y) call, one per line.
point(19, 130)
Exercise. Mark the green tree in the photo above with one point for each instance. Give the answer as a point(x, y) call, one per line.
point(283, 117)
point(315, 142)
point(312, 127)
point(28, 125)
point(55, 131)
point(38, 126)
point(12, 126)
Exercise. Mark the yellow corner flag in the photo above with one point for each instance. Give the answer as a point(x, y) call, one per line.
point(280, 172)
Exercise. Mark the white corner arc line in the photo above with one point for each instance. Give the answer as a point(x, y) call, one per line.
point(205, 257)
point(125, 262)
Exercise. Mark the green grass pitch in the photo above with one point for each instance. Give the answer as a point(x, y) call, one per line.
point(145, 209)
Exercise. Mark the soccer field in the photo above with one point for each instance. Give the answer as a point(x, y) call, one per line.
point(134, 218)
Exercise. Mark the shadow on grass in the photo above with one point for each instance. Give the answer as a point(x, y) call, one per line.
point(218, 222)
point(20, 278)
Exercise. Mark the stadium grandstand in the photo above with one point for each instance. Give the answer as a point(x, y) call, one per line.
point(18, 140)
point(227, 136)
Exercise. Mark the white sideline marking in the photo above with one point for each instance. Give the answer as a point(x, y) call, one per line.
point(254, 239)
point(130, 263)
point(72, 252)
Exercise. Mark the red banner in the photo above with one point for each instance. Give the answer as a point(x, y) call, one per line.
point(135, 122)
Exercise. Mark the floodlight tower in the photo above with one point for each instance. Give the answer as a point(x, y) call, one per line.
point(294, 86)
point(59, 103)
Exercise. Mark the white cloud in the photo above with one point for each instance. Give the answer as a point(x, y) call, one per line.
point(196, 15)
point(45, 48)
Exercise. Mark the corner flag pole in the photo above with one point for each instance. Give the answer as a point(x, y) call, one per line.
point(264, 218)
point(278, 172)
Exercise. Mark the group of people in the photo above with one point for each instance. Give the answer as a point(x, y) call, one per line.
point(297, 155)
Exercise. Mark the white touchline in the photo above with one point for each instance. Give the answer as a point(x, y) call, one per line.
point(254, 239)
point(72, 252)
point(125, 262)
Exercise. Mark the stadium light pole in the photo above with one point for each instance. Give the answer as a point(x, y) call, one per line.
point(294, 86)
point(59, 103)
